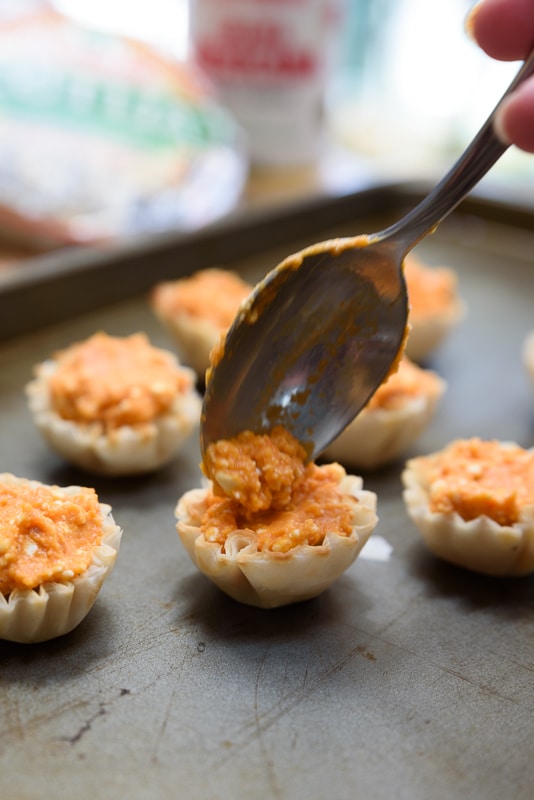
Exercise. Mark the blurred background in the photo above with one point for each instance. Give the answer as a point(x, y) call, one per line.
point(405, 79)
point(387, 90)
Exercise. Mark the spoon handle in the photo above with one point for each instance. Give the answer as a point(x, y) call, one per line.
point(473, 164)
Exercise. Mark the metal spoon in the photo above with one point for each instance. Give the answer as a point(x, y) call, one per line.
point(319, 334)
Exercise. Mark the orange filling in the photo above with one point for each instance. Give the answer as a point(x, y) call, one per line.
point(408, 382)
point(213, 294)
point(45, 534)
point(261, 484)
point(430, 289)
point(257, 471)
point(477, 478)
point(115, 381)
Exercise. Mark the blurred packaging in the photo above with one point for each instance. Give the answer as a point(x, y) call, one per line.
point(101, 137)
point(270, 63)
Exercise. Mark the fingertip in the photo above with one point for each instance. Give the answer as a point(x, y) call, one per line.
point(504, 29)
point(499, 124)
point(514, 120)
point(470, 22)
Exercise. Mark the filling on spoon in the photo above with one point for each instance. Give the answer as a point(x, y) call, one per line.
point(260, 482)
point(270, 529)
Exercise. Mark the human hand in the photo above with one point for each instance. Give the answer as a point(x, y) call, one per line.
point(504, 29)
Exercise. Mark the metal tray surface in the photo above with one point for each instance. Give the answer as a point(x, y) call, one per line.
point(408, 679)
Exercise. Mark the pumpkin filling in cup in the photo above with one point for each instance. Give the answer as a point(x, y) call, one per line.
point(473, 503)
point(57, 546)
point(270, 529)
point(436, 307)
point(196, 309)
point(114, 405)
point(396, 415)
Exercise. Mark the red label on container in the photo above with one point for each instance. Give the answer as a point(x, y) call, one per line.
point(254, 49)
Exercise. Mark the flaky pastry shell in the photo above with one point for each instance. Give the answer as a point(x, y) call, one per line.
point(428, 332)
point(528, 355)
point(378, 436)
point(194, 338)
point(270, 579)
point(436, 307)
point(54, 609)
point(480, 544)
point(127, 450)
point(195, 326)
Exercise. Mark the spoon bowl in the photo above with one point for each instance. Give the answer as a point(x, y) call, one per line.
point(322, 331)
point(288, 348)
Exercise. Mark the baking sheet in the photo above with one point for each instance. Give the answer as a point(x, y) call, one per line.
point(409, 678)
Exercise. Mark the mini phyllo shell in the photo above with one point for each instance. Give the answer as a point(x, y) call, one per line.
point(280, 531)
point(396, 415)
point(528, 355)
point(196, 309)
point(473, 503)
point(114, 406)
point(436, 307)
point(57, 547)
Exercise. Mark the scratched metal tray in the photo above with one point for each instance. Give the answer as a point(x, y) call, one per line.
point(408, 679)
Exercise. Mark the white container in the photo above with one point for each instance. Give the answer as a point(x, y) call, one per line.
point(269, 61)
